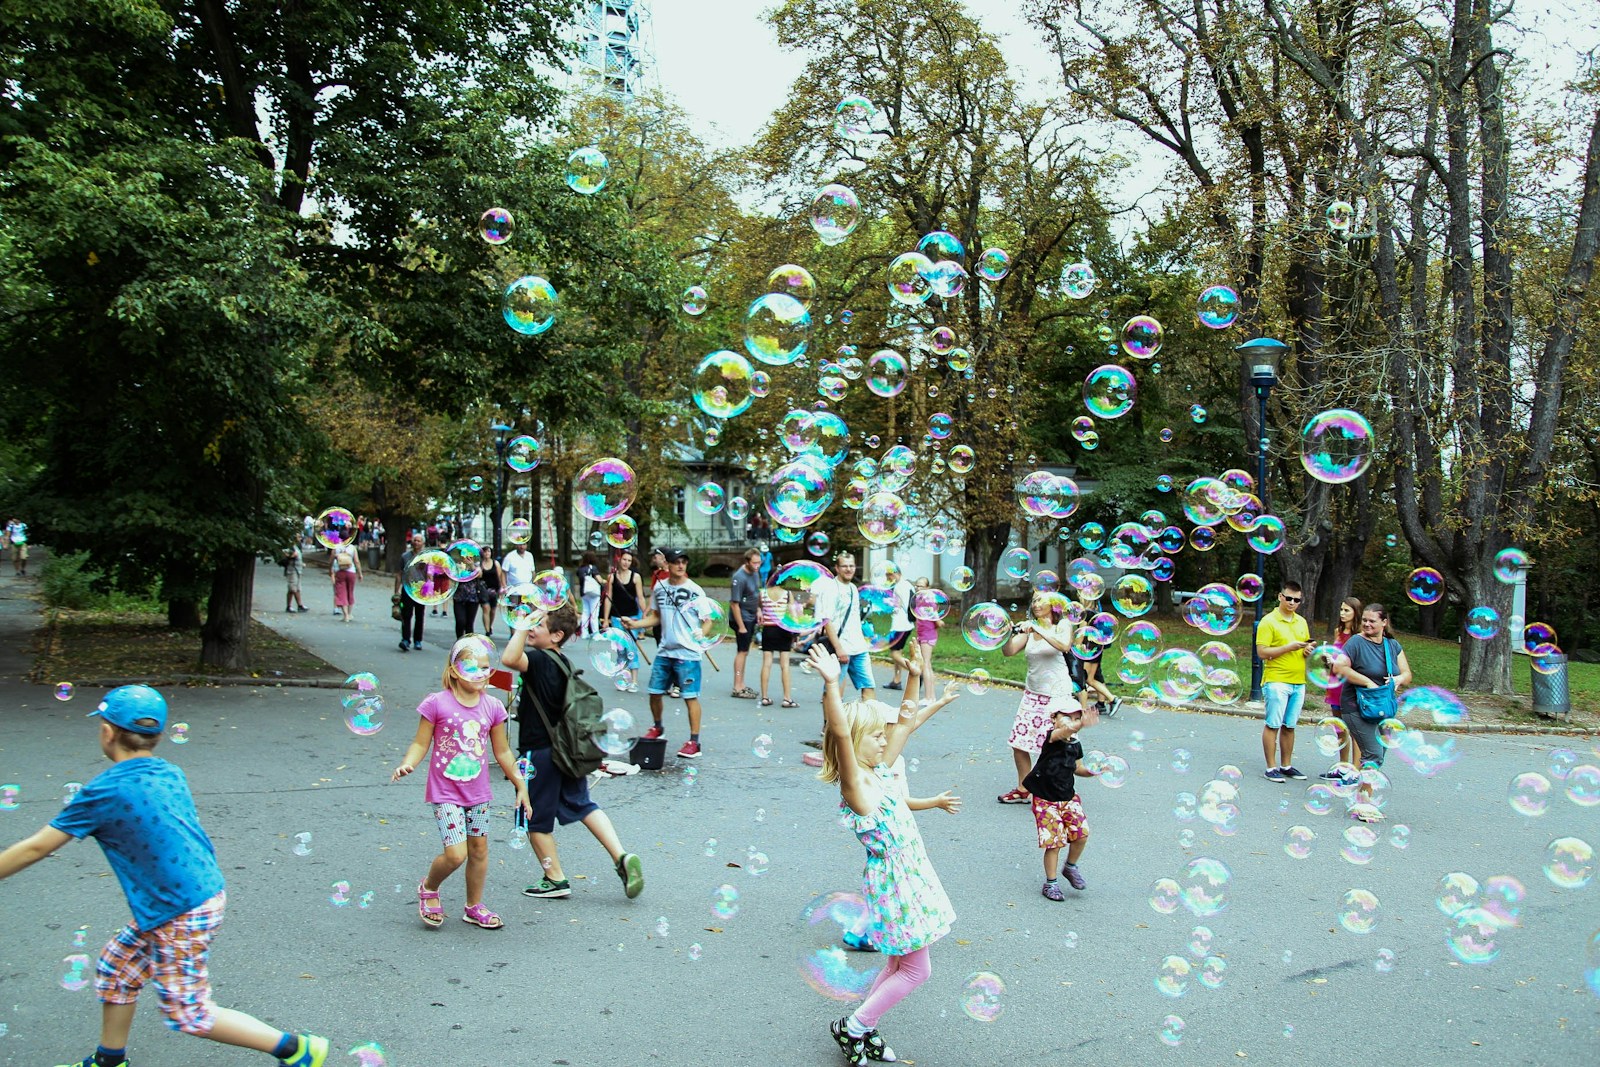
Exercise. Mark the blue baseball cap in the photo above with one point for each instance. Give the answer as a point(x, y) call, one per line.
point(138, 709)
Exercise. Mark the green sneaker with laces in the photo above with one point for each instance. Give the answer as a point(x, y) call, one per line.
point(631, 871)
point(548, 889)
point(312, 1052)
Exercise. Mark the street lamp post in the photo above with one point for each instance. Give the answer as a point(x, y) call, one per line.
point(1259, 361)
point(501, 474)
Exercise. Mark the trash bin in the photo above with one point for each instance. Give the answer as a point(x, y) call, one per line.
point(374, 557)
point(1551, 694)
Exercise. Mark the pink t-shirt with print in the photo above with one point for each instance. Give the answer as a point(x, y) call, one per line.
point(458, 768)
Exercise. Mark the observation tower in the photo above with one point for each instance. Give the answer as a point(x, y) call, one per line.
point(615, 47)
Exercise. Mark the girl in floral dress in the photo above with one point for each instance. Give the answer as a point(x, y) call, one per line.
point(908, 907)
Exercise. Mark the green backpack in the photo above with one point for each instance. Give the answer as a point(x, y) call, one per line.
point(572, 745)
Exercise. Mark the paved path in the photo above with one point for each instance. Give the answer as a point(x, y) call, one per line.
point(590, 981)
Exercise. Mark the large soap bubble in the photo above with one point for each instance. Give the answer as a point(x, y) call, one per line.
point(335, 528)
point(529, 305)
point(427, 578)
point(1219, 307)
point(496, 225)
point(886, 373)
point(722, 384)
point(800, 612)
point(1141, 337)
point(1109, 391)
point(604, 489)
point(835, 213)
point(799, 492)
point(908, 279)
point(793, 280)
point(523, 453)
point(986, 626)
point(883, 518)
point(776, 329)
point(587, 169)
point(1078, 280)
point(825, 964)
point(1336, 446)
point(853, 118)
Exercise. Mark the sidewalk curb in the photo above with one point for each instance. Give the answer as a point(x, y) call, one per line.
point(207, 679)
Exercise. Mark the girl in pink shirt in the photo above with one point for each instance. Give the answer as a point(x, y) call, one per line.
point(463, 725)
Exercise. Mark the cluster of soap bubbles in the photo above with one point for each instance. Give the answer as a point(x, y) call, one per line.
point(1478, 915)
point(1203, 889)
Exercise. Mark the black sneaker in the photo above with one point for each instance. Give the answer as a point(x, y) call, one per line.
point(1293, 772)
point(1272, 774)
point(405, 646)
point(854, 1048)
point(1329, 776)
point(1116, 706)
point(873, 1045)
point(892, 685)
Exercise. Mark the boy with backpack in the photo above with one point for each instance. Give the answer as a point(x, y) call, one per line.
point(558, 715)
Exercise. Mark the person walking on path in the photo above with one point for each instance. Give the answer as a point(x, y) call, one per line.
point(519, 566)
point(744, 612)
point(345, 571)
point(464, 726)
point(624, 595)
point(1281, 642)
point(142, 814)
point(1371, 660)
point(683, 637)
point(775, 641)
point(494, 580)
point(587, 582)
point(17, 541)
point(464, 602)
point(839, 611)
point(902, 628)
point(908, 905)
point(534, 652)
point(1047, 639)
point(294, 565)
point(411, 614)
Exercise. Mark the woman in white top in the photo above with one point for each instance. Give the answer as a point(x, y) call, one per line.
point(1047, 637)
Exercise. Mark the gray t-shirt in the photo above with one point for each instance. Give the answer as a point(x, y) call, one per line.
point(744, 589)
point(679, 620)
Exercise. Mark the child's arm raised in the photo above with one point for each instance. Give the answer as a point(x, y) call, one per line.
point(515, 655)
point(418, 749)
point(913, 680)
point(836, 731)
point(901, 731)
point(508, 763)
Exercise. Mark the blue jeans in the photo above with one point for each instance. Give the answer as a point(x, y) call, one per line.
point(684, 673)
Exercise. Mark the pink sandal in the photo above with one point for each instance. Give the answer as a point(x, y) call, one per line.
point(478, 915)
point(428, 906)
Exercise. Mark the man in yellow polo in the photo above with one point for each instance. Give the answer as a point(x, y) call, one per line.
point(1281, 642)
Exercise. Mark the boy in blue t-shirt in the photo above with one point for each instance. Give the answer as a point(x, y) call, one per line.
point(174, 887)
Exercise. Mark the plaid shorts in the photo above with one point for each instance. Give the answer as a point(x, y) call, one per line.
point(1060, 822)
point(174, 954)
point(456, 823)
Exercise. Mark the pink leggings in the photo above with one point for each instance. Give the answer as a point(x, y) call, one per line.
point(894, 983)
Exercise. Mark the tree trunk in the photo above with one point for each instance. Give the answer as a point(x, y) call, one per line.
point(225, 637)
point(985, 545)
point(1486, 665)
point(562, 517)
point(183, 613)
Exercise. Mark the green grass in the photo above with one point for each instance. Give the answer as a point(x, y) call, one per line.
point(1432, 662)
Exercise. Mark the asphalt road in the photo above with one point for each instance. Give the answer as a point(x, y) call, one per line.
point(592, 980)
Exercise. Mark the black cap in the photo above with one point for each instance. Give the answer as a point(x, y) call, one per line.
point(674, 554)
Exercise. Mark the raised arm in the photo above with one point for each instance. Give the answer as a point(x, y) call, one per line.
point(902, 730)
point(836, 732)
point(515, 654)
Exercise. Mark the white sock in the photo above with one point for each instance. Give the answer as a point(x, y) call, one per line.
point(854, 1028)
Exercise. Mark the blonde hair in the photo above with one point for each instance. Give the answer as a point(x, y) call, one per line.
point(451, 676)
point(863, 718)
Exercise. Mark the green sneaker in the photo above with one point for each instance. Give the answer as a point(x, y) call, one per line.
point(548, 889)
point(89, 1061)
point(313, 1052)
point(631, 871)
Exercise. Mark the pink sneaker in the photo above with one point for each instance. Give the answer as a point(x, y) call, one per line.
point(653, 733)
point(690, 750)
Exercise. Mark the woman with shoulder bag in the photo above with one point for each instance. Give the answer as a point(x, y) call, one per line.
point(1374, 669)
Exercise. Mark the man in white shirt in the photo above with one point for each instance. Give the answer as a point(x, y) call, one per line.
point(838, 606)
point(900, 624)
point(682, 609)
point(518, 565)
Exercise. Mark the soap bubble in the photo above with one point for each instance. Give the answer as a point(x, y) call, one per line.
point(1133, 595)
point(994, 264)
point(1172, 976)
point(1297, 841)
point(978, 682)
point(495, 225)
point(1141, 337)
point(549, 589)
point(1206, 883)
point(986, 626)
point(1424, 586)
point(473, 657)
point(695, 300)
point(1359, 843)
point(1510, 565)
point(587, 169)
point(1219, 307)
point(853, 118)
point(939, 425)
point(335, 527)
point(613, 651)
point(1339, 216)
point(800, 615)
point(1078, 280)
point(981, 996)
point(466, 559)
point(724, 902)
point(523, 453)
point(1474, 936)
point(1583, 785)
point(882, 519)
point(962, 579)
point(604, 489)
point(1483, 623)
point(1455, 892)
point(340, 895)
point(1336, 446)
point(791, 279)
point(427, 578)
point(1177, 675)
point(825, 964)
point(1358, 911)
point(1569, 862)
point(1529, 794)
point(77, 976)
point(1109, 391)
point(709, 498)
point(962, 459)
point(835, 213)
point(722, 384)
point(1266, 536)
point(529, 305)
point(887, 373)
point(63, 690)
point(1212, 971)
point(10, 797)
point(622, 532)
point(908, 279)
point(1015, 562)
point(1165, 895)
point(1440, 706)
point(1197, 414)
point(1503, 896)
point(930, 605)
point(1171, 1031)
point(776, 329)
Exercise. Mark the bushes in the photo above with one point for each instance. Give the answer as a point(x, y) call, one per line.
point(69, 582)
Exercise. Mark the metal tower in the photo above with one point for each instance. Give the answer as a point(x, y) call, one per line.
point(615, 46)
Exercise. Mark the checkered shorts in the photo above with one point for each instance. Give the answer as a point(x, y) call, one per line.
point(1060, 822)
point(174, 954)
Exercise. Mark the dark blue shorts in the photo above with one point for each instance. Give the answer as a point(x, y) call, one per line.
point(555, 797)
